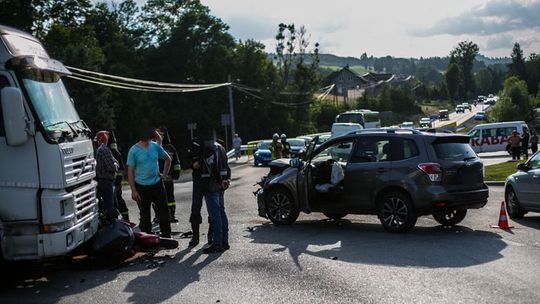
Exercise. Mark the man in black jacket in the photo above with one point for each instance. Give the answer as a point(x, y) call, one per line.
point(216, 175)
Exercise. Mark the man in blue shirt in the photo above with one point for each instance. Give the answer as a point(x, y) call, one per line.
point(145, 180)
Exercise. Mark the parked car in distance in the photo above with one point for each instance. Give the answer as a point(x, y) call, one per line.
point(425, 122)
point(407, 125)
point(522, 188)
point(262, 154)
point(467, 106)
point(298, 146)
point(433, 117)
point(443, 114)
point(460, 109)
point(397, 175)
point(480, 115)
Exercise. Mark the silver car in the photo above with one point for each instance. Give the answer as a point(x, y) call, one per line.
point(522, 188)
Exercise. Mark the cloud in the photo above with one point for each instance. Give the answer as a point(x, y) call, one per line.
point(494, 17)
point(497, 42)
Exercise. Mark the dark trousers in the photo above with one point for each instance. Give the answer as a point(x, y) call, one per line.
point(525, 151)
point(216, 209)
point(154, 193)
point(106, 197)
point(196, 202)
point(122, 206)
point(171, 202)
point(516, 151)
point(534, 148)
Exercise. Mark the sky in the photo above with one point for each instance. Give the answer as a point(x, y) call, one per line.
point(399, 28)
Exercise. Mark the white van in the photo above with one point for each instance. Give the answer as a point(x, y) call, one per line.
point(493, 137)
point(341, 128)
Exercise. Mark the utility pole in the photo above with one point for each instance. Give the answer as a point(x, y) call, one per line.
point(231, 108)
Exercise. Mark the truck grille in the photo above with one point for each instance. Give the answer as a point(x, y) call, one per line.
point(79, 168)
point(85, 201)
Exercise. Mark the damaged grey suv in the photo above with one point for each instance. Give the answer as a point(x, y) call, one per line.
point(395, 174)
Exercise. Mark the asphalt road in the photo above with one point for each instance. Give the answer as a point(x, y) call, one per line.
point(460, 118)
point(311, 261)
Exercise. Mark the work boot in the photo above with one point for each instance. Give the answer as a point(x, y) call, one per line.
point(172, 211)
point(210, 233)
point(213, 249)
point(195, 238)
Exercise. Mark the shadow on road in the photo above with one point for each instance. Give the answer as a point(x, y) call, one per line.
point(529, 221)
point(163, 283)
point(432, 247)
point(45, 282)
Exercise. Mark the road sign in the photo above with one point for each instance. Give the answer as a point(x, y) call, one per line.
point(192, 126)
point(225, 119)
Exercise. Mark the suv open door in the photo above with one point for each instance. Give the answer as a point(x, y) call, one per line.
point(304, 178)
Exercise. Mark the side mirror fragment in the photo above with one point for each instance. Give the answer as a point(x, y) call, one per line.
point(15, 119)
point(522, 167)
point(295, 162)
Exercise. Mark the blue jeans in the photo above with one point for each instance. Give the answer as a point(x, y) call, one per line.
point(215, 204)
point(107, 198)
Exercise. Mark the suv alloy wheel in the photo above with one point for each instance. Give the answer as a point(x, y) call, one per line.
point(450, 217)
point(396, 212)
point(280, 207)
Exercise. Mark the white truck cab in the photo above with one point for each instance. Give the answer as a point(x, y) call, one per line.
point(48, 204)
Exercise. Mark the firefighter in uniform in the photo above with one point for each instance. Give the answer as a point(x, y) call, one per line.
point(122, 207)
point(174, 173)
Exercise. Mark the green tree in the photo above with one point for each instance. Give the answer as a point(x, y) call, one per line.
point(364, 60)
point(452, 78)
point(18, 13)
point(484, 81)
point(463, 55)
point(517, 67)
point(515, 103)
point(532, 67)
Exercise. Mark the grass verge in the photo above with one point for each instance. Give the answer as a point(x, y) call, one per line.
point(499, 172)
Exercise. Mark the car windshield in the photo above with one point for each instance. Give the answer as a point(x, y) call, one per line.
point(50, 99)
point(296, 142)
point(264, 144)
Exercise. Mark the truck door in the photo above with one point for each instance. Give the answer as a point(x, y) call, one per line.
point(19, 179)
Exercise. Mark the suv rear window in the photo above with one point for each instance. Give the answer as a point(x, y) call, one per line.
point(454, 151)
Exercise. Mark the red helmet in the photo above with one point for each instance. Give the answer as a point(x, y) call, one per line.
point(102, 136)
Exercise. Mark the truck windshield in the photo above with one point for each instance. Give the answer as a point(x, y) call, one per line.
point(50, 99)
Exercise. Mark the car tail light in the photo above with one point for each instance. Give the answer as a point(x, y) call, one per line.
point(433, 170)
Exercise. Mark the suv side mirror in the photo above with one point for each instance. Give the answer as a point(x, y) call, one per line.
point(523, 167)
point(15, 119)
point(295, 163)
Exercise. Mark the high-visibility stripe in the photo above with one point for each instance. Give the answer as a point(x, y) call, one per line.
point(171, 204)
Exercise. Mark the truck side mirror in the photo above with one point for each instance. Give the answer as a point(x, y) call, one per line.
point(15, 119)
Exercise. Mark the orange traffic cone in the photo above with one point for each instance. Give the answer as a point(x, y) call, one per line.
point(503, 218)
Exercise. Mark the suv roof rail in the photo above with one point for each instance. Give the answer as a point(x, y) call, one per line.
point(382, 130)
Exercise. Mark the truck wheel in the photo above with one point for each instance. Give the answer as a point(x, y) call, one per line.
point(512, 204)
point(335, 216)
point(396, 212)
point(450, 217)
point(280, 207)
